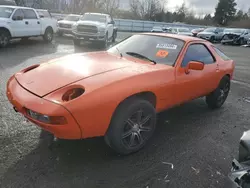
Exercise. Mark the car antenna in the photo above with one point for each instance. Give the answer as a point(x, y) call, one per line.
point(119, 52)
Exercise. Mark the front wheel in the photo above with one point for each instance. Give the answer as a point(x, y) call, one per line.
point(218, 97)
point(132, 126)
point(48, 35)
point(4, 38)
point(77, 42)
point(104, 43)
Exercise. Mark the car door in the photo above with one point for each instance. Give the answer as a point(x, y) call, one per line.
point(110, 26)
point(17, 25)
point(32, 22)
point(196, 83)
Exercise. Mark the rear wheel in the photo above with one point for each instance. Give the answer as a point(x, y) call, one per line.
point(77, 42)
point(212, 39)
point(132, 126)
point(48, 35)
point(242, 41)
point(4, 38)
point(218, 97)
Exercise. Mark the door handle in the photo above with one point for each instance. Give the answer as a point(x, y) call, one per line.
point(38, 22)
point(26, 22)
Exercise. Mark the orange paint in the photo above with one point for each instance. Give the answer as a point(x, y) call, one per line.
point(108, 80)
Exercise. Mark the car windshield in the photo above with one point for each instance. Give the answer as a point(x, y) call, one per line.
point(161, 49)
point(72, 18)
point(183, 29)
point(5, 12)
point(210, 30)
point(94, 17)
point(234, 31)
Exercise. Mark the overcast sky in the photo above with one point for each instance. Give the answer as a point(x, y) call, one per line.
point(206, 6)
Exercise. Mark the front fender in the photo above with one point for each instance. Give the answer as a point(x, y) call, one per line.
point(6, 27)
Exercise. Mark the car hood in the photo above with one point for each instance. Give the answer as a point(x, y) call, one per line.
point(66, 22)
point(48, 77)
point(185, 33)
point(206, 33)
point(4, 20)
point(92, 23)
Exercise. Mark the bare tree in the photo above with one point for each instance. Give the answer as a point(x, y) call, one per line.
point(110, 6)
point(134, 8)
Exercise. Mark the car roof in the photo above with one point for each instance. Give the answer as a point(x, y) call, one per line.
point(181, 37)
point(96, 13)
point(8, 6)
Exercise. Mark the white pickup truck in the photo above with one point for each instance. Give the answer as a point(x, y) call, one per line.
point(24, 22)
point(95, 27)
point(65, 25)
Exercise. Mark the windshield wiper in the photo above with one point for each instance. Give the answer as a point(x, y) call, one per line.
point(140, 56)
point(119, 52)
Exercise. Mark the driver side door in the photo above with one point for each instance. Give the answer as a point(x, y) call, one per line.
point(110, 26)
point(196, 83)
point(17, 24)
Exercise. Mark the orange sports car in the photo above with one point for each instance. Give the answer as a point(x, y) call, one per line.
point(117, 93)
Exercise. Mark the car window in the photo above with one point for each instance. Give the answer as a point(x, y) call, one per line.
point(161, 49)
point(45, 14)
point(18, 13)
point(29, 14)
point(221, 54)
point(197, 52)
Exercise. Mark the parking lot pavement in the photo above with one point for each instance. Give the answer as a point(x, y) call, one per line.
point(200, 143)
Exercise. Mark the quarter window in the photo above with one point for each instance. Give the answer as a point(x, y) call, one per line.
point(29, 14)
point(197, 52)
point(221, 54)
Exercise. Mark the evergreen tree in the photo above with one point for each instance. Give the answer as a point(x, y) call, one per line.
point(225, 11)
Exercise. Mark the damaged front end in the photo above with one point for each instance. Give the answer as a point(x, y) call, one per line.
point(240, 172)
point(232, 38)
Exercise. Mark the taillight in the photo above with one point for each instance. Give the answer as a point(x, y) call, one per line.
point(53, 120)
point(72, 94)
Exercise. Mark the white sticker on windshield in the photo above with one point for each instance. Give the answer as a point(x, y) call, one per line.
point(8, 10)
point(167, 46)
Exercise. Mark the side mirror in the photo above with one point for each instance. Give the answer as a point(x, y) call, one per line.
point(194, 65)
point(112, 22)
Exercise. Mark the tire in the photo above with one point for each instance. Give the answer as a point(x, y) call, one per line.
point(114, 36)
point(77, 42)
point(132, 125)
point(218, 97)
point(48, 35)
point(4, 38)
point(60, 33)
point(212, 39)
point(105, 42)
point(242, 42)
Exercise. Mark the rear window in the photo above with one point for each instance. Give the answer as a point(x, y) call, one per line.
point(221, 54)
point(161, 49)
point(44, 14)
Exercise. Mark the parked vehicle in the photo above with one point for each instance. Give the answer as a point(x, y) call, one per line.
point(8, 2)
point(196, 31)
point(157, 29)
point(24, 22)
point(212, 34)
point(95, 27)
point(235, 36)
point(117, 93)
point(181, 31)
point(65, 25)
point(239, 177)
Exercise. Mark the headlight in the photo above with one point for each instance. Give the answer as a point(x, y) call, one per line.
point(72, 94)
point(74, 26)
point(54, 120)
point(101, 29)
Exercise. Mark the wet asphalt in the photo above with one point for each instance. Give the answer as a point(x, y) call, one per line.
point(192, 146)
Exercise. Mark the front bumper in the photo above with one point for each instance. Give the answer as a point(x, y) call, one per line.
point(88, 36)
point(65, 30)
point(21, 100)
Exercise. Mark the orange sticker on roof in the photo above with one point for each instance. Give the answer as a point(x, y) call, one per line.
point(162, 53)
